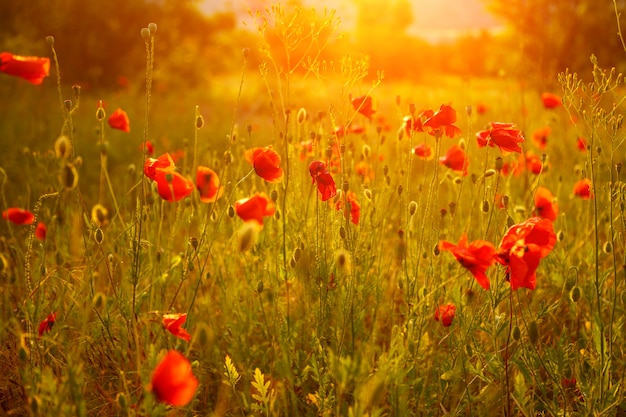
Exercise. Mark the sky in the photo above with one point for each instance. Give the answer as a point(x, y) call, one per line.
point(433, 20)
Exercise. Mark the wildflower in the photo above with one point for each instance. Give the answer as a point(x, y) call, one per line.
point(581, 144)
point(31, 68)
point(533, 163)
point(355, 207)
point(455, 159)
point(208, 185)
point(325, 183)
point(163, 162)
point(503, 135)
point(414, 124)
point(445, 313)
point(119, 120)
point(306, 149)
point(551, 101)
point(582, 189)
point(172, 186)
point(18, 216)
point(475, 257)
point(149, 147)
point(522, 248)
point(173, 381)
point(172, 323)
point(364, 106)
point(540, 137)
point(442, 123)
point(266, 163)
point(481, 108)
point(255, 208)
point(545, 206)
point(515, 167)
point(41, 231)
point(423, 151)
point(46, 324)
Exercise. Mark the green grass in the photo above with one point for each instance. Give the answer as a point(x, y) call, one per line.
point(318, 316)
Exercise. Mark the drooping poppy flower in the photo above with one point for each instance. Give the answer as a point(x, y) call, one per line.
point(476, 257)
point(445, 313)
point(255, 208)
point(31, 68)
point(163, 162)
point(172, 186)
point(41, 231)
point(522, 248)
point(355, 207)
point(455, 159)
point(172, 323)
point(208, 185)
point(325, 183)
point(442, 123)
point(551, 101)
point(503, 135)
point(583, 188)
point(364, 106)
point(173, 381)
point(581, 144)
point(46, 324)
point(540, 137)
point(545, 206)
point(18, 216)
point(266, 163)
point(424, 151)
point(119, 120)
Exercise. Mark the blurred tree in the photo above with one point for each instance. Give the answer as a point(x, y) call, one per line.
point(550, 36)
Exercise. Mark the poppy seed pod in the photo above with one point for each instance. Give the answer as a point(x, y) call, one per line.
point(499, 163)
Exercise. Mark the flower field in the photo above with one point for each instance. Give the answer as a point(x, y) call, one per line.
point(311, 240)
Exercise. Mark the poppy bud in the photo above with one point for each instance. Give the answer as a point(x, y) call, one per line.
point(68, 176)
point(100, 113)
point(533, 332)
point(412, 208)
point(505, 201)
point(63, 147)
point(50, 40)
point(342, 232)
point(388, 180)
point(368, 194)
point(199, 121)
point(400, 190)
point(436, 250)
point(345, 186)
point(98, 236)
point(342, 259)
point(228, 157)
point(99, 300)
point(366, 151)
point(499, 163)
point(194, 242)
point(145, 33)
point(292, 262)
point(231, 211)
point(400, 134)
point(277, 215)
point(485, 206)
point(190, 266)
point(386, 170)
point(301, 116)
point(67, 104)
point(247, 235)
point(76, 90)
point(412, 109)
point(297, 253)
point(202, 336)
point(452, 207)
point(245, 52)
point(468, 109)
point(152, 27)
point(618, 167)
point(598, 150)
point(560, 236)
point(489, 173)
point(575, 294)
point(607, 247)
point(329, 152)
point(516, 333)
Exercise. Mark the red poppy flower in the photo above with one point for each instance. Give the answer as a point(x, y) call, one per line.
point(173, 381)
point(515, 167)
point(364, 106)
point(149, 148)
point(476, 257)
point(442, 123)
point(172, 186)
point(481, 108)
point(41, 231)
point(582, 189)
point(540, 137)
point(455, 159)
point(581, 144)
point(266, 163)
point(568, 382)
point(355, 207)
point(31, 68)
point(551, 101)
point(533, 163)
point(119, 120)
point(325, 183)
point(445, 313)
point(522, 248)
point(172, 323)
point(306, 149)
point(46, 324)
point(18, 216)
point(503, 135)
point(255, 208)
point(545, 206)
point(424, 151)
point(208, 185)
point(163, 162)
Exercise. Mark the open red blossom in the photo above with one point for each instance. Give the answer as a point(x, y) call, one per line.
point(255, 208)
point(172, 186)
point(173, 381)
point(522, 248)
point(583, 188)
point(325, 183)
point(475, 257)
point(442, 123)
point(265, 162)
point(18, 216)
point(481, 108)
point(540, 137)
point(551, 101)
point(119, 120)
point(445, 313)
point(534, 164)
point(41, 231)
point(581, 144)
point(545, 206)
point(173, 323)
point(455, 159)
point(208, 185)
point(355, 207)
point(46, 324)
point(31, 68)
point(423, 151)
point(503, 135)
point(364, 106)
point(163, 162)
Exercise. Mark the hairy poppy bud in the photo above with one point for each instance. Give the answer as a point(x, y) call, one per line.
point(575, 294)
point(533, 332)
point(412, 208)
point(145, 33)
point(152, 27)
